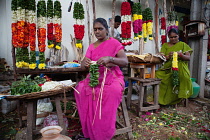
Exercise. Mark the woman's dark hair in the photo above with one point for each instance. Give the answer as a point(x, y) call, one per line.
point(173, 30)
point(117, 19)
point(102, 21)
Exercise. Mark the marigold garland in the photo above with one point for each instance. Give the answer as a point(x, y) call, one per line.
point(32, 32)
point(147, 24)
point(50, 24)
point(175, 75)
point(14, 23)
point(126, 23)
point(137, 20)
point(57, 24)
point(41, 33)
point(79, 27)
point(19, 31)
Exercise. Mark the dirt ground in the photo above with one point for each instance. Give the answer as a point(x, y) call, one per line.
point(168, 123)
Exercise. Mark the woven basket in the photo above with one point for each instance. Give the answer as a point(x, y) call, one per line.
point(134, 59)
point(153, 59)
point(42, 94)
point(149, 58)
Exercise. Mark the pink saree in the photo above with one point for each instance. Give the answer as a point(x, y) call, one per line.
point(100, 128)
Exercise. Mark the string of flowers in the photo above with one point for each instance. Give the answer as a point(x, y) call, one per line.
point(172, 21)
point(50, 24)
point(144, 26)
point(22, 56)
point(41, 33)
point(175, 75)
point(163, 30)
point(57, 24)
point(79, 27)
point(149, 22)
point(126, 23)
point(32, 32)
point(137, 20)
point(14, 23)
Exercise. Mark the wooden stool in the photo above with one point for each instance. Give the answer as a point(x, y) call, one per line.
point(143, 67)
point(142, 94)
point(126, 127)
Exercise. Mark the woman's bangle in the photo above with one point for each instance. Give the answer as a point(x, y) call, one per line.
point(111, 59)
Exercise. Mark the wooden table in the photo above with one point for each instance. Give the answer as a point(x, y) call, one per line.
point(31, 102)
point(142, 66)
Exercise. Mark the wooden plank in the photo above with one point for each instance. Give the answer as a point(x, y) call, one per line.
point(123, 130)
point(60, 115)
point(88, 21)
point(30, 114)
point(113, 17)
point(130, 85)
point(38, 115)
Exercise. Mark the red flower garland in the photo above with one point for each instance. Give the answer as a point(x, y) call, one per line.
point(41, 33)
point(32, 36)
point(14, 35)
point(79, 31)
point(163, 28)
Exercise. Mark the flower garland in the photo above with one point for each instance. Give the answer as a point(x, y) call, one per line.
point(32, 33)
point(137, 21)
point(126, 23)
point(79, 27)
point(144, 26)
point(50, 24)
point(14, 23)
point(147, 24)
point(22, 56)
point(57, 24)
point(175, 75)
point(163, 30)
point(41, 33)
point(172, 21)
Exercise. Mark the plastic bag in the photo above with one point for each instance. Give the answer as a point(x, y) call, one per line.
point(8, 106)
point(70, 65)
point(43, 105)
point(52, 120)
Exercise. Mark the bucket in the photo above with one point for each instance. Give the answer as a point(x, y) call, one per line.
point(196, 88)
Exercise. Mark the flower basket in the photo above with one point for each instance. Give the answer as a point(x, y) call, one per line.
point(148, 58)
point(42, 94)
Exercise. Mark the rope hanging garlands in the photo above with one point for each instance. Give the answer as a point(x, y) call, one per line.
point(126, 23)
point(175, 75)
point(137, 20)
point(57, 24)
point(50, 37)
point(21, 42)
point(79, 26)
point(163, 30)
point(41, 33)
point(32, 33)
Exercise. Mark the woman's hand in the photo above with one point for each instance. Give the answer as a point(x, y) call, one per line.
point(103, 60)
point(85, 63)
point(180, 54)
point(170, 55)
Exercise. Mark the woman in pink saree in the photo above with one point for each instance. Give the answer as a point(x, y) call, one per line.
point(98, 107)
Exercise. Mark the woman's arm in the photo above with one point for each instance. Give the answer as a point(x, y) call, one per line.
point(185, 57)
point(120, 59)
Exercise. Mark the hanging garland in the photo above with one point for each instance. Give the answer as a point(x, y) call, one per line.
point(147, 24)
point(57, 24)
point(22, 56)
point(126, 23)
point(172, 21)
point(137, 21)
point(94, 75)
point(50, 24)
point(32, 32)
point(163, 30)
point(14, 23)
point(41, 33)
point(175, 75)
point(79, 27)
point(144, 26)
